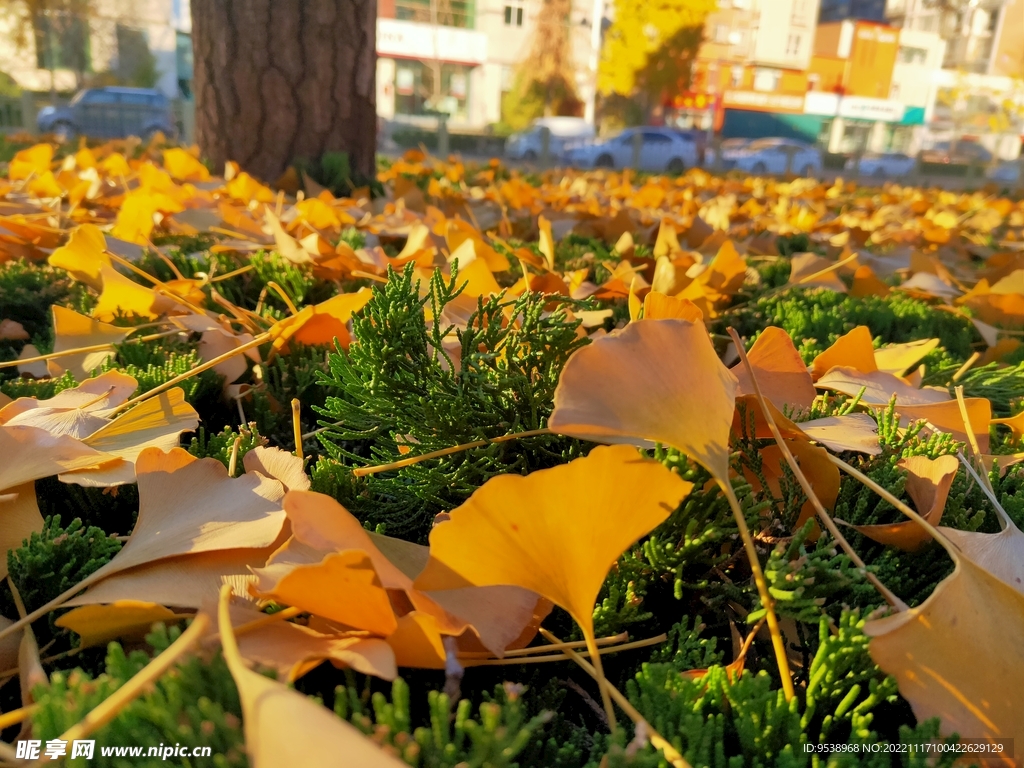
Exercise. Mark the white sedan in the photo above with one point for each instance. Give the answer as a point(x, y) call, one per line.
point(661, 149)
point(771, 156)
point(882, 164)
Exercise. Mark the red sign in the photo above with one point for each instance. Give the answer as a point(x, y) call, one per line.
point(692, 100)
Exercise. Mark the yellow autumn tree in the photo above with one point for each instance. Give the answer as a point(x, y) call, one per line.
point(650, 47)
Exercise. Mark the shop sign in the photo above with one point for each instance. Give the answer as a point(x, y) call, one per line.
point(413, 40)
point(853, 107)
point(692, 100)
point(763, 102)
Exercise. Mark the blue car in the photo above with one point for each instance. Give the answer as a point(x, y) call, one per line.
point(109, 113)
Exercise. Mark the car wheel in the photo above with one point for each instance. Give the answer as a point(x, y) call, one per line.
point(604, 161)
point(64, 132)
point(529, 156)
point(675, 165)
point(759, 169)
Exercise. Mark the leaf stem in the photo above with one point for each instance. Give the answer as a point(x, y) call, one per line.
point(657, 740)
point(408, 462)
point(263, 337)
point(111, 707)
point(90, 348)
point(864, 479)
point(826, 518)
point(762, 589)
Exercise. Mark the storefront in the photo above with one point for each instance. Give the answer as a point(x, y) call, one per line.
point(851, 124)
point(423, 69)
point(759, 114)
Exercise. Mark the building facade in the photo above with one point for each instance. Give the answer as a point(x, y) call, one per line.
point(459, 57)
point(133, 42)
point(841, 10)
point(982, 36)
point(751, 71)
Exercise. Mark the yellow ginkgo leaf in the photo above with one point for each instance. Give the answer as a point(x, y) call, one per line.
point(780, 371)
point(31, 453)
point(321, 323)
point(897, 359)
point(853, 350)
point(122, 296)
point(83, 256)
point(658, 306)
point(74, 331)
point(344, 587)
point(183, 166)
point(276, 718)
point(154, 423)
point(126, 619)
point(546, 242)
point(29, 162)
point(655, 381)
point(928, 484)
point(293, 650)
point(19, 519)
point(557, 531)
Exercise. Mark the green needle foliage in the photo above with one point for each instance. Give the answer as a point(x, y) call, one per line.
point(195, 704)
point(54, 560)
point(397, 389)
point(493, 740)
point(816, 317)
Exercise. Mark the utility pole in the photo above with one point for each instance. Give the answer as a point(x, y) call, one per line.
point(596, 30)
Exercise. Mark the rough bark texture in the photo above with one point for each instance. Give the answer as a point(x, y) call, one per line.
point(277, 80)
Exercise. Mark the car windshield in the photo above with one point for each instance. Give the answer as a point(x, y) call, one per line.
point(77, 97)
point(764, 144)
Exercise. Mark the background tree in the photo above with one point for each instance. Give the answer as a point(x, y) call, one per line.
point(278, 81)
point(545, 81)
point(649, 48)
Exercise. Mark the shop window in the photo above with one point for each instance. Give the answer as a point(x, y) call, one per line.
point(513, 15)
point(416, 94)
point(62, 40)
point(911, 55)
point(767, 79)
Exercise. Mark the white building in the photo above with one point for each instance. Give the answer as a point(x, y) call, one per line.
point(466, 62)
point(915, 82)
point(118, 40)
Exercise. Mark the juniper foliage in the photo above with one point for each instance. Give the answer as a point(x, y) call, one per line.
point(194, 704)
point(397, 391)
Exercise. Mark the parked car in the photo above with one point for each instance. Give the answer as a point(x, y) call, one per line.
point(964, 152)
point(1007, 172)
point(528, 145)
point(661, 149)
point(770, 156)
point(882, 164)
point(729, 149)
point(109, 113)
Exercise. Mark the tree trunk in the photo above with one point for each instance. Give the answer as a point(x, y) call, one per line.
point(277, 80)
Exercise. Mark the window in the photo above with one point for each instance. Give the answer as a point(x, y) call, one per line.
point(507, 78)
point(135, 62)
point(736, 77)
point(910, 55)
point(652, 137)
point(793, 45)
point(513, 16)
point(721, 33)
point(767, 79)
point(414, 89)
point(62, 40)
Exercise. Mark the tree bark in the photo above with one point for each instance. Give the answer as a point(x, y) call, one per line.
point(278, 80)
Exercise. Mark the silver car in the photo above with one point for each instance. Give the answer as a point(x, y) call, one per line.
point(763, 156)
point(882, 164)
point(660, 150)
